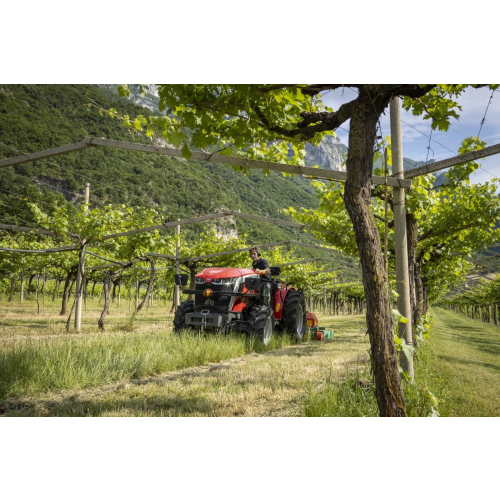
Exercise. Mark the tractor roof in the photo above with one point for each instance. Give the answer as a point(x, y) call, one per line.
point(224, 272)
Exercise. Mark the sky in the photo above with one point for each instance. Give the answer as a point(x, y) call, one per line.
point(443, 144)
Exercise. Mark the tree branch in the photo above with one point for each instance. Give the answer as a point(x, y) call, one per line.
point(381, 197)
point(432, 234)
point(315, 89)
point(327, 121)
point(390, 224)
point(328, 118)
point(310, 90)
point(279, 86)
point(413, 91)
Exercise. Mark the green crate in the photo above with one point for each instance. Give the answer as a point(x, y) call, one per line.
point(328, 334)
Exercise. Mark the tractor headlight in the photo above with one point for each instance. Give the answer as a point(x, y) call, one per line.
point(199, 281)
point(225, 281)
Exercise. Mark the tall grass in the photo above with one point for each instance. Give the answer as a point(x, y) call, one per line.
point(34, 366)
point(354, 395)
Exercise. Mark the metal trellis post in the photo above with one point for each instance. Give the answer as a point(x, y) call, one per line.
point(81, 270)
point(177, 264)
point(402, 275)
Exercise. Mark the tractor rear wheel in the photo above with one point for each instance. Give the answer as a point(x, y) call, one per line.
point(293, 319)
point(260, 323)
point(180, 315)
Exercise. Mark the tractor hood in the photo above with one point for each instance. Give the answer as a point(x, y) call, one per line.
point(211, 274)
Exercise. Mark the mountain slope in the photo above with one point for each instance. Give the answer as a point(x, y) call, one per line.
point(37, 117)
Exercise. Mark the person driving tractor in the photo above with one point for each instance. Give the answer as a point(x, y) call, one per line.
point(260, 265)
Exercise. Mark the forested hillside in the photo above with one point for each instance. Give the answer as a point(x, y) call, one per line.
point(36, 117)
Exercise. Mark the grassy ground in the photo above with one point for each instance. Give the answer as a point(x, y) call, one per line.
point(147, 371)
point(354, 395)
point(275, 382)
point(468, 360)
point(38, 355)
point(457, 373)
point(22, 321)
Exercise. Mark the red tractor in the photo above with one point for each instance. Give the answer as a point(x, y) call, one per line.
point(239, 300)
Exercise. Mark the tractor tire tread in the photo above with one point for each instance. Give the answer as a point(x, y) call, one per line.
point(180, 315)
point(288, 319)
point(257, 319)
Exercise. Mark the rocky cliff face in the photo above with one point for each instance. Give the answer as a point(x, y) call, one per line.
point(330, 153)
point(148, 99)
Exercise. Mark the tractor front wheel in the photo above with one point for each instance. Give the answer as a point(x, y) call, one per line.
point(260, 323)
point(293, 319)
point(180, 315)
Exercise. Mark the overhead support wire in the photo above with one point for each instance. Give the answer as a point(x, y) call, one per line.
point(187, 221)
point(239, 250)
point(429, 137)
point(126, 263)
point(226, 213)
point(310, 260)
point(485, 113)
point(45, 250)
point(22, 229)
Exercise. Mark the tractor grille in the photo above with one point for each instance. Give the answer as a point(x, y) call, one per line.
point(216, 303)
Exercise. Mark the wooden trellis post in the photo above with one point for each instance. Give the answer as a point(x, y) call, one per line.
point(402, 275)
point(177, 264)
point(81, 270)
point(21, 293)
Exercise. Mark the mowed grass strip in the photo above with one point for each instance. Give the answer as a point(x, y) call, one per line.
point(468, 361)
point(459, 366)
point(271, 383)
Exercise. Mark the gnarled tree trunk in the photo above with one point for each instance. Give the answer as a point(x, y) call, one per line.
point(32, 276)
point(419, 292)
point(150, 283)
point(105, 311)
point(110, 278)
point(12, 289)
point(56, 289)
point(36, 293)
point(85, 291)
point(425, 296)
point(43, 291)
point(68, 282)
point(357, 201)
